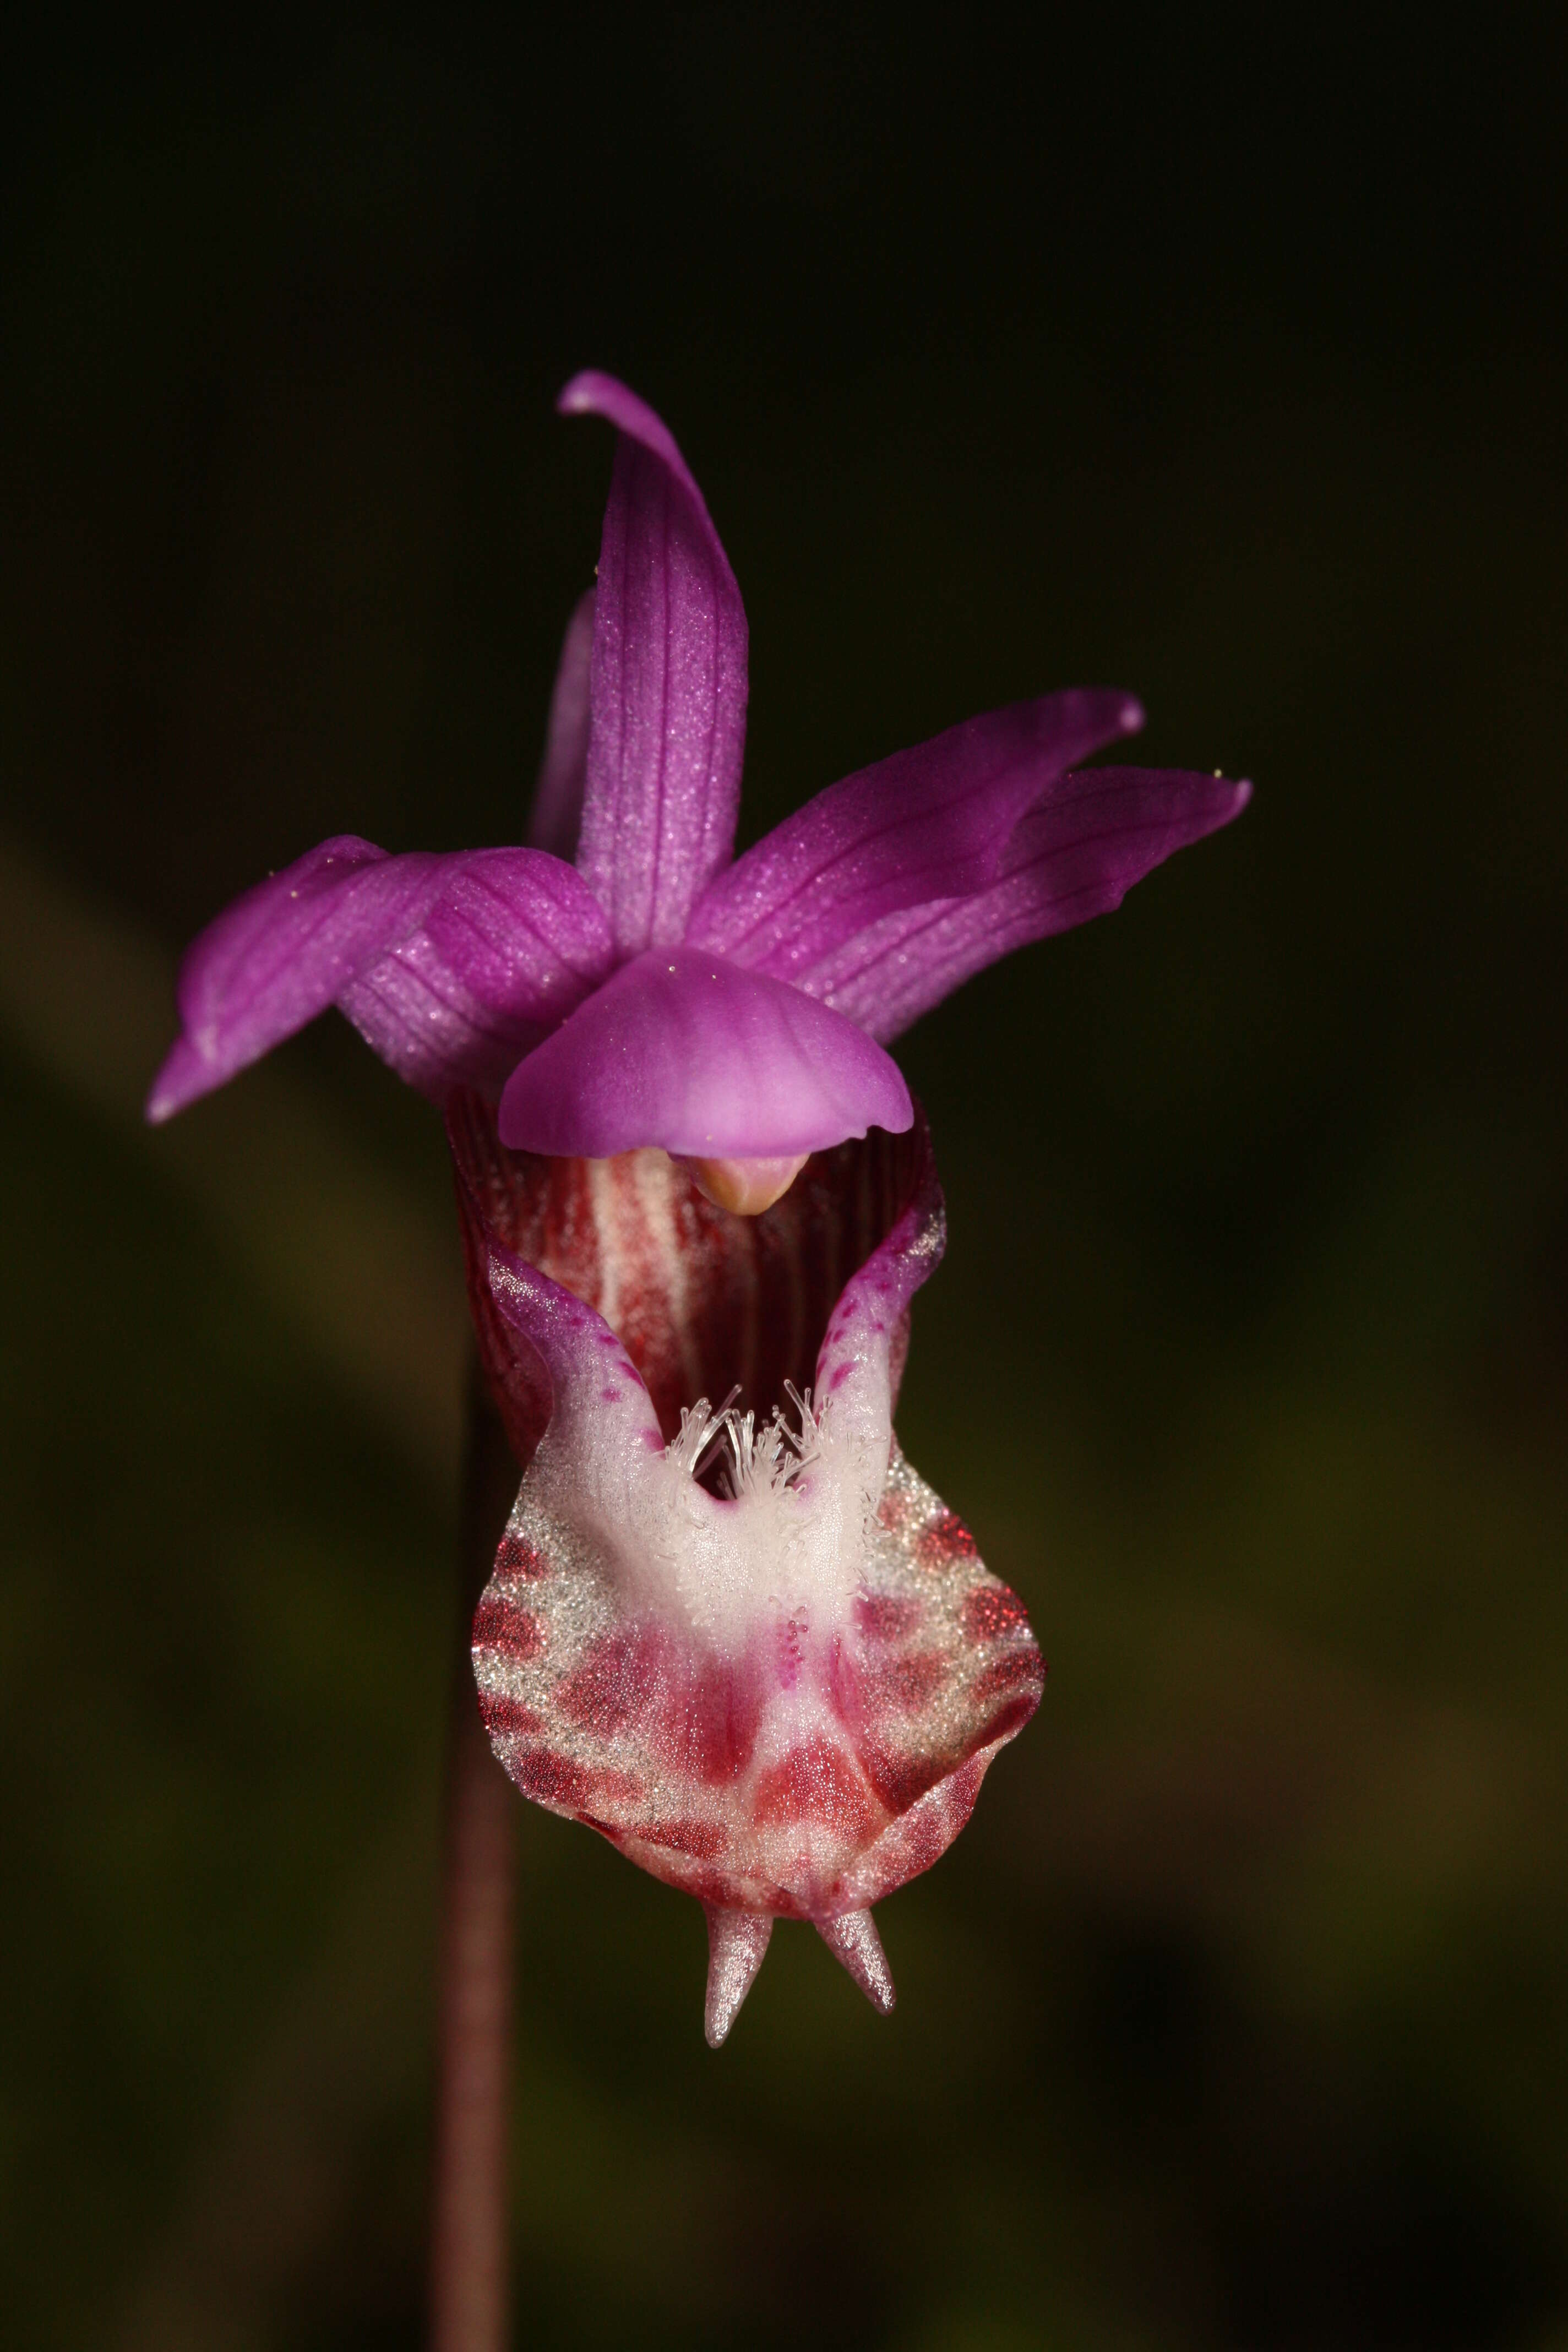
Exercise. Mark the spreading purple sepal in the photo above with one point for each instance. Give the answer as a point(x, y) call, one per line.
point(668, 690)
point(451, 966)
point(733, 1013)
point(930, 822)
point(1075, 854)
point(694, 1053)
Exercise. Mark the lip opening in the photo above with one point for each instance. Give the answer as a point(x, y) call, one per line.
point(703, 1301)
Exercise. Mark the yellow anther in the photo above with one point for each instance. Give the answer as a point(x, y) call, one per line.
point(745, 1187)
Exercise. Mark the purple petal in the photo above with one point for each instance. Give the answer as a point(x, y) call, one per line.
point(687, 1051)
point(511, 942)
point(932, 823)
point(450, 965)
point(557, 814)
point(1074, 855)
point(669, 685)
point(278, 956)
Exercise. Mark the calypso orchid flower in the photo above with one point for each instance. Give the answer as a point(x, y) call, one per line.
point(729, 1625)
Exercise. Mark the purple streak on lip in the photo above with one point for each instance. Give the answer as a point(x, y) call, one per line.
point(690, 1051)
point(855, 1365)
point(667, 690)
point(575, 1346)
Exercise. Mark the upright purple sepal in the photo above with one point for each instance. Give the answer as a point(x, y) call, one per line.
point(692, 1053)
point(668, 689)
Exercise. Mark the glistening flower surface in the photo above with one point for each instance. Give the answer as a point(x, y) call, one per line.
point(652, 992)
point(745, 1641)
point(779, 1690)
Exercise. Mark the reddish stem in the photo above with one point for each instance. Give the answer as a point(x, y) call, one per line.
point(468, 2252)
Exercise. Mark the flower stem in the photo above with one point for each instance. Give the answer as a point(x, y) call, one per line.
point(468, 2252)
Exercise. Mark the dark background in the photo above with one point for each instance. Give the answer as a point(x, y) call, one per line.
point(1217, 354)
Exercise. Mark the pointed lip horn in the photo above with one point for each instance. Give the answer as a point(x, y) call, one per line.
point(851, 1936)
point(737, 1942)
point(737, 1946)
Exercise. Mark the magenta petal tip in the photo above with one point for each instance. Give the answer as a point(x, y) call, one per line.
point(592, 393)
point(184, 1076)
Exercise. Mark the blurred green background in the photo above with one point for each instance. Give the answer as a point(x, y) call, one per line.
point(1220, 355)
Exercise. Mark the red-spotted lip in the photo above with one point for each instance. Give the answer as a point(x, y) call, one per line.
point(805, 1773)
point(806, 1748)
